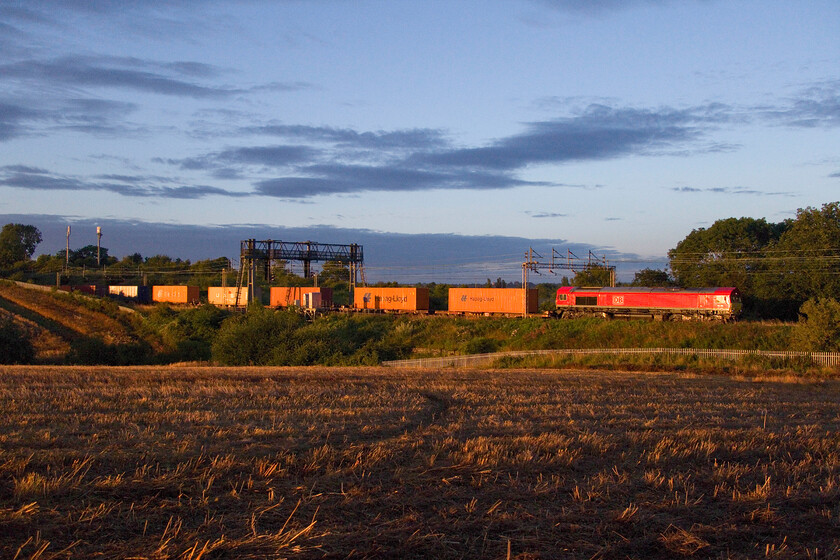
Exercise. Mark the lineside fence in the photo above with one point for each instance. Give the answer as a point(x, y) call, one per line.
point(819, 358)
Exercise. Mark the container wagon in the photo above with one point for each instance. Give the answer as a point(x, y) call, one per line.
point(658, 303)
point(90, 289)
point(139, 294)
point(175, 294)
point(409, 300)
point(283, 296)
point(493, 301)
point(217, 295)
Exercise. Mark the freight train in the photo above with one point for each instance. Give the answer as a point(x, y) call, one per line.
point(657, 303)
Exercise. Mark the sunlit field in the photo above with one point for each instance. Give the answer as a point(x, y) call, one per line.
point(369, 463)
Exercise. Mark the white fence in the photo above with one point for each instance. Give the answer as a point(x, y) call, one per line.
point(820, 358)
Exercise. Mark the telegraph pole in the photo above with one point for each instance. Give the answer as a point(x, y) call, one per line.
point(67, 251)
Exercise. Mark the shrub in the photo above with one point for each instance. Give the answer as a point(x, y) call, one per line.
point(481, 345)
point(95, 351)
point(15, 343)
point(260, 337)
point(819, 325)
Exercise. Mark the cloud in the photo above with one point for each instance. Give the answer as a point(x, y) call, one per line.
point(33, 178)
point(835, 175)
point(731, 191)
point(601, 132)
point(816, 106)
point(12, 119)
point(344, 179)
point(546, 214)
point(411, 139)
point(100, 116)
point(83, 71)
point(593, 7)
point(327, 160)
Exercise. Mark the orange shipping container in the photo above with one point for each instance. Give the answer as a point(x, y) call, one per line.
point(175, 294)
point(492, 300)
point(284, 296)
point(227, 296)
point(392, 299)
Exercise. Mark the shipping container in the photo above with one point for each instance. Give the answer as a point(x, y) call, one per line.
point(282, 296)
point(392, 299)
point(175, 294)
point(217, 295)
point(85, 289)
point(508, 301)
point(312, 300)
point(140, 294)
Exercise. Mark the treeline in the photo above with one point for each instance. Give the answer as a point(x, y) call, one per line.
point(776, 266)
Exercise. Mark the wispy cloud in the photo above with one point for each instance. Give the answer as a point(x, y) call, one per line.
point(412, 139)
point(546, 214)
point(592, 7)
point(731, 191)
point(33, 178)
point(121, 72)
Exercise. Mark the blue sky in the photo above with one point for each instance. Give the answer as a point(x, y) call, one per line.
point(613, 125)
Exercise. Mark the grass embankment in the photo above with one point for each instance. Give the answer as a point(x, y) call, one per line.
point(58, 321)
point(273, 463)
point(446, 335)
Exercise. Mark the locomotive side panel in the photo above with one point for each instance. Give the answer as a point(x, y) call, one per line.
point(658, 302)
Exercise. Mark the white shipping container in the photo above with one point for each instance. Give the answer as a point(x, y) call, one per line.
point(312, 300)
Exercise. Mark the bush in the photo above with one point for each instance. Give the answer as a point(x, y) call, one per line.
point(284, 338)
point(819, 325)
point(95, 351)
point(260, 337)
point(15, 343)
point(481, 345)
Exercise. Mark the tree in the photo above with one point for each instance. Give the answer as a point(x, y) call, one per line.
point(807, 252)
point(334, 272)
point(593, 275)
point(651, 277)
point(17, 243)
point(729, 253)
point(132, 260)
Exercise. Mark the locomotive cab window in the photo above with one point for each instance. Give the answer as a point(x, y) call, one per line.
point(562, 297)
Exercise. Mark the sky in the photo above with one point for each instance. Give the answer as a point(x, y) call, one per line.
point(447, 131)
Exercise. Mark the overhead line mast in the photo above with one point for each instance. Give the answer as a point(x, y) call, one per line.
point(571, 262)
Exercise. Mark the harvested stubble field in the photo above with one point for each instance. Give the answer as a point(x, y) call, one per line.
point(363, 463)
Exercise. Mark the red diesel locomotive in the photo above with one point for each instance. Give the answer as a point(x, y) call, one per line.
point(659, 303)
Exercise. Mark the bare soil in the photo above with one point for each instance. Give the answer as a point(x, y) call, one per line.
point(174, 462)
